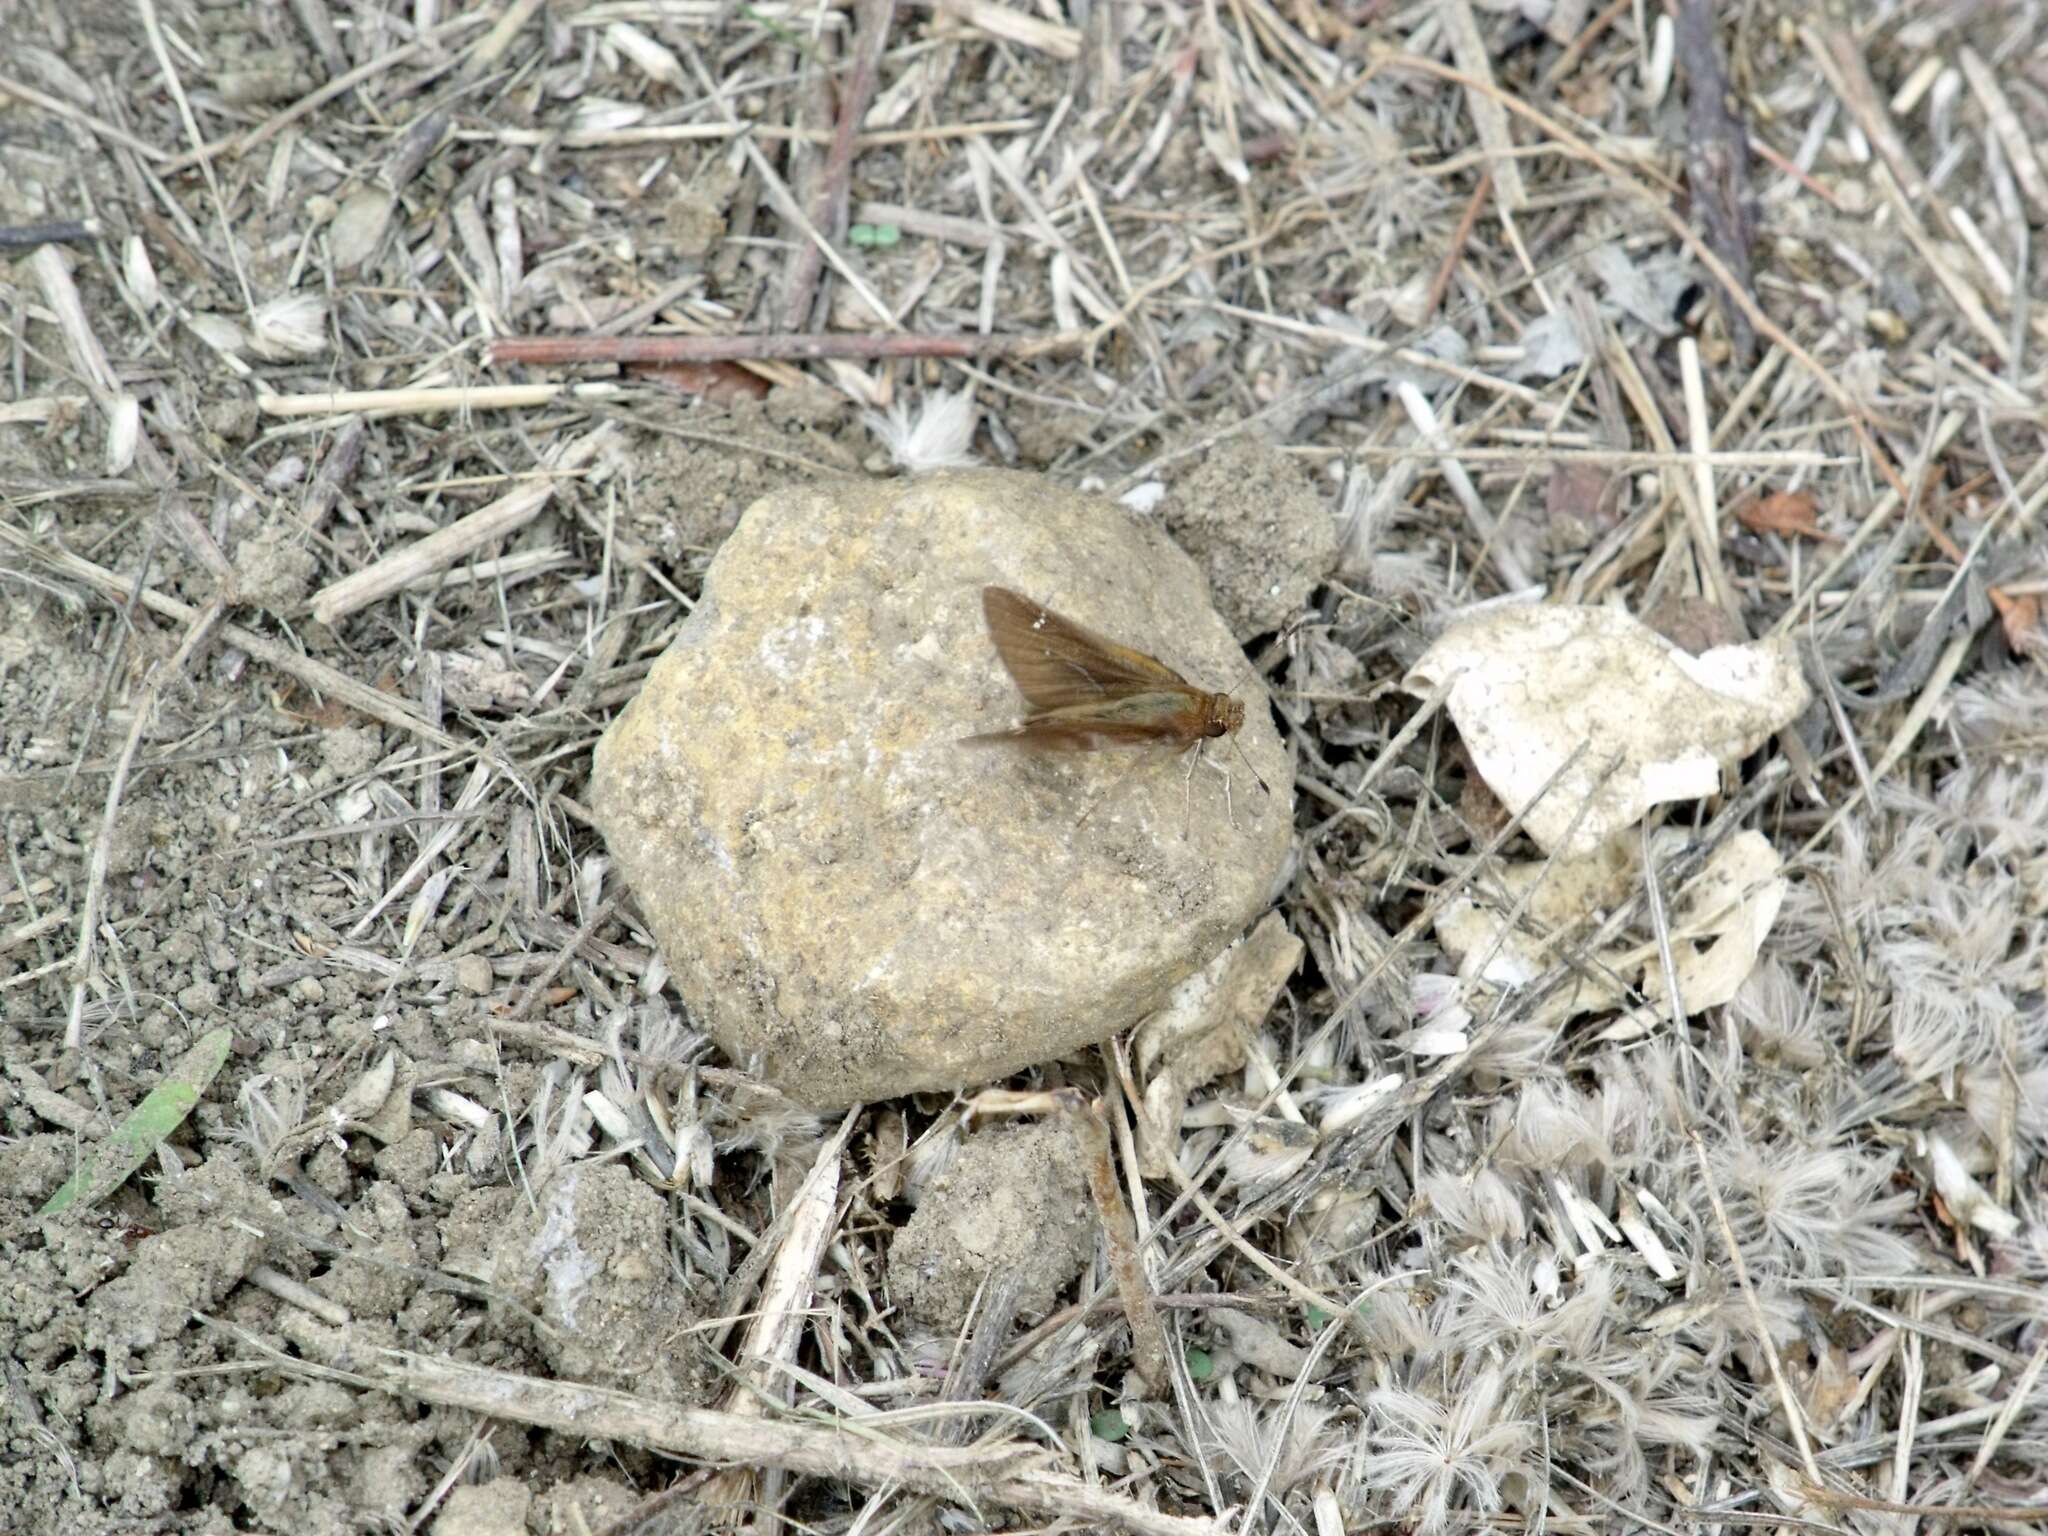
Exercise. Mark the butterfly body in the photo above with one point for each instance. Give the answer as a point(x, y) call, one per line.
point(1134, 720)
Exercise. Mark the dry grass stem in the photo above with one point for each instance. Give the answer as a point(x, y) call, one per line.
point(489, 525)
point(409, 402)
point(1149, 1353)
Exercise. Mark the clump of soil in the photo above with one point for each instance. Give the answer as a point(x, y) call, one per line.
point(1256, 526)
point(1014, 1203)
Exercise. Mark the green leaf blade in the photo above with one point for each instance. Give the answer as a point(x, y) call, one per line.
point(106, 1167)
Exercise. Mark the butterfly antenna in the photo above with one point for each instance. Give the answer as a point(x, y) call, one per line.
point(1249, 769)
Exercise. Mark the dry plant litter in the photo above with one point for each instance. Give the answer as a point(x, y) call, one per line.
point(324, 560)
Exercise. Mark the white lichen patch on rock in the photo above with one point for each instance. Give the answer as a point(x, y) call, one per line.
point(854, 904)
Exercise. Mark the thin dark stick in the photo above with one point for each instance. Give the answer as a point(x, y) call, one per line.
point(335, 474)
point(828, 205)
point(1148, 1335)
point(1717, 163)
point(785, 346)
point(26, 237)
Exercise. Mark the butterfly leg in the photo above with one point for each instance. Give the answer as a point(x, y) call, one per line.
point(1229, 782)
point(1187, 790)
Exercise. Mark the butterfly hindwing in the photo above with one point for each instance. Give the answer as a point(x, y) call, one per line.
point(1130, 720)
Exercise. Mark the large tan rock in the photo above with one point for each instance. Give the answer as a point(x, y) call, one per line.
point(852, 903)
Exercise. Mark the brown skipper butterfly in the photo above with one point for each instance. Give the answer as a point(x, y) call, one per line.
point(1087, 693)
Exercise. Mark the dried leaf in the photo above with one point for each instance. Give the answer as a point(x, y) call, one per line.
point(1789, 513)
point(720, 383)
point(358, 228)
point(327, 715)
point(1719, 929)
point(1581, 497)
point(1719, 923)
point(1583, 719)
point(2020, 618)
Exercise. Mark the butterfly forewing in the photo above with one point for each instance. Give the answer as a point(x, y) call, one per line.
point(1058, 664)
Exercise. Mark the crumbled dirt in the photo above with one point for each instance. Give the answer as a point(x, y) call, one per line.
point(587, 1261)
point(692, 488)
point(1261, 532)
point(274, 569)
point(484, 1509)
point(1014, 1204)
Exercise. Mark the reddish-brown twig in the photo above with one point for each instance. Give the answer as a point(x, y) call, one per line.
point(1458, 239)
point(828, 209)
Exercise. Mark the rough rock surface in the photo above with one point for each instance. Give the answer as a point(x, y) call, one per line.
point(1015, 1203)
point(852, 903)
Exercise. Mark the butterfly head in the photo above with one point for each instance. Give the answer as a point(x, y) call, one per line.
point(1223, 715)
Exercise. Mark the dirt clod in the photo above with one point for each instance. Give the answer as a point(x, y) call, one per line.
point(1015, 1203)
point(1258, 529)
point(484, 1509)
point(590, 1259)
